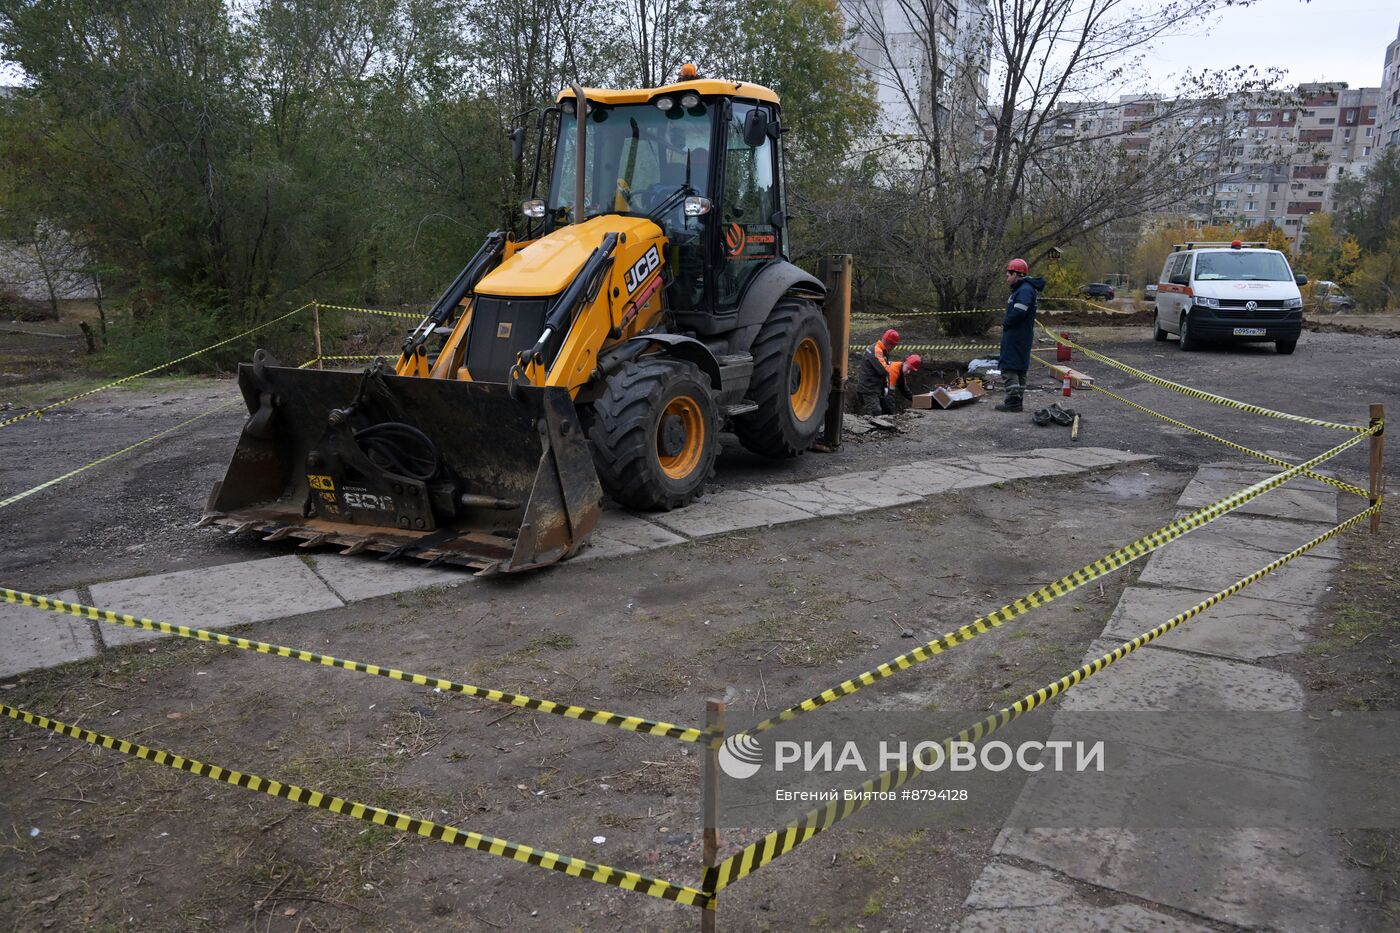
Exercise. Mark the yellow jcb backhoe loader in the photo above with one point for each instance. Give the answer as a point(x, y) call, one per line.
point(648, 306)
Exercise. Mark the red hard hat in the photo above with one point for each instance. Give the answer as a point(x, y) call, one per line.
point(912, 362)
point(1018, 265)
point(890, 338)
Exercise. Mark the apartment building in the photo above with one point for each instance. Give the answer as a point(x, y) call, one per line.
point(928, 61)
point(1388, 115)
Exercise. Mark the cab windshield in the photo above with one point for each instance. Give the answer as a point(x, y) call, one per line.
point(1237, 266)
point(637, 157)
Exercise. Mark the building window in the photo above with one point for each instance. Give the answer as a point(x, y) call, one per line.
point(1369, 131)
point(1287, 116)
point(1327, 121)
point(1251, 205)
point(1273, 205)
point(1365, 151)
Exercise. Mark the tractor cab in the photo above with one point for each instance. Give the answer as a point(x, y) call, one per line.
point(699, 158)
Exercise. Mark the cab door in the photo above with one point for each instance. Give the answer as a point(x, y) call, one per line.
point(750, 210)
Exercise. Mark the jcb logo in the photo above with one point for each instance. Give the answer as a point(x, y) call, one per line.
point(641, 269)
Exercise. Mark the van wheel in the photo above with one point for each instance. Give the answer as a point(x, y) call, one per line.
point(1286, 346)
point(1157, 332)
point(1188, 342)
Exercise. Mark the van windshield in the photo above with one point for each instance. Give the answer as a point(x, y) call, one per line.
point(1238, 266)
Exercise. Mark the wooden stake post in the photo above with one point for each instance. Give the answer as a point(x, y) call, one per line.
point(1377, 465)
point(316, 330)
point(835, 272)
point(714, 725)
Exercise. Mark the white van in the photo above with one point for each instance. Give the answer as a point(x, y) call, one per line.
point(1229, 291)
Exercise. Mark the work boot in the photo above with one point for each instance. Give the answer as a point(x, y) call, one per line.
point(1011, 404)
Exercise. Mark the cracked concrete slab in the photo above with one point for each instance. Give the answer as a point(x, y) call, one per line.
point(1281, 502)
point(1268, 535)
point(635, 531)
point(869, 489)
point(730, 510)
point(1087, 458)
point(356, 578)
point(214, 597)
point(36, 638)
point(1249, 475)
point(1274, 879)
point(926, 477)
point(1241, 628)
point(1210, 568)
point(1154, 678)
point(818, 500)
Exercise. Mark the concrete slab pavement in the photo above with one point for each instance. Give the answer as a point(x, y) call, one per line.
point(34, 638)
point(214, 597)
point(1250, 877)
point(278, 587)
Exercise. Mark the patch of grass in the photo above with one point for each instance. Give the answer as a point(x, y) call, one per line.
point(873, 905)
point(555, 641)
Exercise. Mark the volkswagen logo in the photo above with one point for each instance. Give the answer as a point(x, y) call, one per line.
point(1251, 305)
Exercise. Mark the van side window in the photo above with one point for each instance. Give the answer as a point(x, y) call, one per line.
point(1178, 265)
point(1167, 268)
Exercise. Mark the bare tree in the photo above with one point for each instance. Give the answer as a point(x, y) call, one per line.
point(972, 177)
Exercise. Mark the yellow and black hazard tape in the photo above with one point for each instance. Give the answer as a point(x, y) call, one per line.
point(39, 412)
point(379, 311)
point(936, 347)
point(362, 357)
point(1051, 591)
point(905, 314)
point(1259, 455)
point(568, 711)
point(492, 845)
point(1197, 393)
point(11, 500)
point(780, 842)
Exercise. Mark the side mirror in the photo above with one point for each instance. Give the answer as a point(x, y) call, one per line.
point(517, 143)
point(1180, 280)
point(755, 127)
point(1301, 280)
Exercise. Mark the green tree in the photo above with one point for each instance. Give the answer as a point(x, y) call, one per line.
point(1369, 205)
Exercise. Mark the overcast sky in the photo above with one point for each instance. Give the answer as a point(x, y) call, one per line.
point(1322, 40)
point(1325, 40)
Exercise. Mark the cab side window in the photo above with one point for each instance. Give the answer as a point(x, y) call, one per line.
point(750, 200)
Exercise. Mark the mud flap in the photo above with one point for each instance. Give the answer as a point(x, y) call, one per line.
point(490, 478)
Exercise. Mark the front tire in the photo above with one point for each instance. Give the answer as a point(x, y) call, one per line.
point(1188, 342)
point(655, 434)
point(1158, 333)
point(791, 381)
point(1286, 346)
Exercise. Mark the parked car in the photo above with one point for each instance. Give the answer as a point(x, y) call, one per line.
point(1329, 297)
point(1224, 291)
point(1150, 292)
point(1098, 290)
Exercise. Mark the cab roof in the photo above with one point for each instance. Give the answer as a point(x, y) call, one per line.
point(701, 86)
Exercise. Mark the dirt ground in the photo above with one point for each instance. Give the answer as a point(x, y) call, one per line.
point(779, 614)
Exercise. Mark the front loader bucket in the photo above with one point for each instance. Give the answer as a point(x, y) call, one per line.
point(467, 473)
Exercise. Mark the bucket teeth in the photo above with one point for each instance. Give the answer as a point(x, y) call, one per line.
point(241, 528)
point(279, 534)
point(209, 519)
point(317, 541)
point(358, 546)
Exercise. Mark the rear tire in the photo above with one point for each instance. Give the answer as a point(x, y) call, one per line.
point(791, 381)
point(1286, 346)
point(1157, 332)
point(655, 434)
point(1188, 343)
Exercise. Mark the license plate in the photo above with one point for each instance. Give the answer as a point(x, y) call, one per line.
point(1249, 331)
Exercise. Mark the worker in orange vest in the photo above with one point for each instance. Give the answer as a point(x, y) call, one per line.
point(881, 375)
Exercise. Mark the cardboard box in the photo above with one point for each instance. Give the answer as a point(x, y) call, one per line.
point(950, 396)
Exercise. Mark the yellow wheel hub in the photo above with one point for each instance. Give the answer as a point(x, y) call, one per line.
point(806, 379)
point(680, 437)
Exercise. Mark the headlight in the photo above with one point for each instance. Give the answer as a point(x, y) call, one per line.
point(690, 101)
point(664, 103)
point(533, 208)
point(1292, 302)
point(1205, 302)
